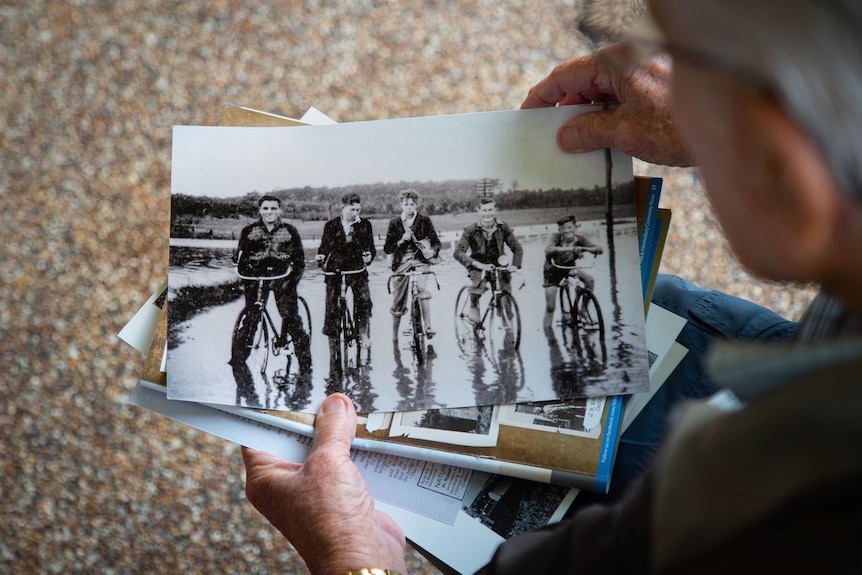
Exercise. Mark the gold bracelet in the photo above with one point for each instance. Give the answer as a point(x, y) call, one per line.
point(374, 571)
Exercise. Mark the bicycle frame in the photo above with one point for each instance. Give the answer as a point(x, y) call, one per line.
point(347, 332)
point(266, 321)
point(499, 322)
point(584, 309)
point(417, 325)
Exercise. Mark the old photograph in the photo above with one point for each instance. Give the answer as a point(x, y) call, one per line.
point(581, 416)
point(413, 264)
point(470, 426)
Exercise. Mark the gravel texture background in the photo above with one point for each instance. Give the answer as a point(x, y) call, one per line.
point(89, 92)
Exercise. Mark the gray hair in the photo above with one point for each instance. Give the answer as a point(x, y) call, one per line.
point(809, 52)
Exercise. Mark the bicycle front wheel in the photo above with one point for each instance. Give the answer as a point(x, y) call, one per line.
point(505, 325)
point(418, 328)
point(349, 339)
point(567, 318)
point(590, 322)
point(249, 333)
point(465, 327)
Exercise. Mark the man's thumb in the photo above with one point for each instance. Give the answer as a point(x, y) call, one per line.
point(587, 132)
point(335, 422)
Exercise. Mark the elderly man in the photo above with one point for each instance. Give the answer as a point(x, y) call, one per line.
point(766, 102)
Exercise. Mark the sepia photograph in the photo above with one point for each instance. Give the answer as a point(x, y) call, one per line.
point(413, 264)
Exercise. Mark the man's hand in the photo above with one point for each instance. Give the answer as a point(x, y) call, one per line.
point(323, 507)
point(641, 125)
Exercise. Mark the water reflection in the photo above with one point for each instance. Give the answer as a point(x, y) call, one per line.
point(415, 394)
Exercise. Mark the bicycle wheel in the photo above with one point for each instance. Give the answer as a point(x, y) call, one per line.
point(305, 316)
point(350, 347)
point(567, 319)
point(249, 333)
point(590, 321)
point(504, 328)
point(465, 330)
point(416, 324)
point(302, 363)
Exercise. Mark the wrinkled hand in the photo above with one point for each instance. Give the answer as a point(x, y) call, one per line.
point(323, 507)
point(641, 125)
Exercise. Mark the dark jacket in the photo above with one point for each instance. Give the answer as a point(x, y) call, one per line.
point(423, 229)
point(345, 252)
point(472, 245)
point(773, 487)
point(261, 252)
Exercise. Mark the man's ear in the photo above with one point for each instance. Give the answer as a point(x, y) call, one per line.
point(806, 200)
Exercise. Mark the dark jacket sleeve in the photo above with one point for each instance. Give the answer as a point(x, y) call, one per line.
point(393, 234)
point(297, 255)
point(429, 232)
point(368, 238)
point(513, 243)
point(463, 246)
point(598, 540)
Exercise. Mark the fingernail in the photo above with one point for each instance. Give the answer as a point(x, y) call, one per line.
point(569, 141)
point(333, 405)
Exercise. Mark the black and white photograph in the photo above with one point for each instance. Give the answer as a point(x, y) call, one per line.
point(581, 416)
point(469, 426)
point(413, 264)
point(510, 506)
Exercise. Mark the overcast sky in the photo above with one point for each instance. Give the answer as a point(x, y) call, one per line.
point(516, 145)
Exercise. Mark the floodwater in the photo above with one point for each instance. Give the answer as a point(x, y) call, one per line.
point(545, 367)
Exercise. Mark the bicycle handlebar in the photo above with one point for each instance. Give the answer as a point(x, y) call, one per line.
point(575, 265)
point(343, 272)
point(265, 278)
point(409, 273)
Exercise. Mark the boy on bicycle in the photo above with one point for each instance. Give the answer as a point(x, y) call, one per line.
point(413, 243)
point(564, 248)
point(270, 247)
point(347, 244)
point(480, 248)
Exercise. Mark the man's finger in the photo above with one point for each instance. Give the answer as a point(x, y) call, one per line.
point(258, 460)
point(588, 132)
point(335, 424)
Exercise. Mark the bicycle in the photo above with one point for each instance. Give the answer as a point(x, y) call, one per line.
point(579, 307)
point(499, 318)
point(257, 326)
point(348, 352)
point(417, 321)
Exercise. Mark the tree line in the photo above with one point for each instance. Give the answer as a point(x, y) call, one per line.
point(381, 200)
